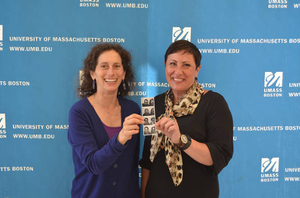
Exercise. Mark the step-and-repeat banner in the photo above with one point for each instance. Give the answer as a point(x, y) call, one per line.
point(251, 55)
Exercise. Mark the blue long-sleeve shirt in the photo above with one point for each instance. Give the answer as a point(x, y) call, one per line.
point(103, 167)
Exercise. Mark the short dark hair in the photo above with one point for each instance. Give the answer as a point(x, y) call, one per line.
point(85, 88)
point(186, 47)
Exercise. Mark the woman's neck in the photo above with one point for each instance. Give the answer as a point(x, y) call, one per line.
point(177, 96)
point(106, 100)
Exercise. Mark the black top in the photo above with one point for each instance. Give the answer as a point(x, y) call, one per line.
point(212, 124)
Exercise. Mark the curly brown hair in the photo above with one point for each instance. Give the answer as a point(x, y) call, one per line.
point(85, 88)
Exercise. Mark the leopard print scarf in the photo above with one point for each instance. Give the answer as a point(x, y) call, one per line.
point(185, 106)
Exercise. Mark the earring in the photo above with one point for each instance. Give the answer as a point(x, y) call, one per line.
point(94, 84)
point(124, 86)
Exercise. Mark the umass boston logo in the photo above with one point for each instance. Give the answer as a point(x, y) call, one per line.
point(273, 84)
point(269, 169)
point(181, 34)
point(2, 121)
point(2, 126)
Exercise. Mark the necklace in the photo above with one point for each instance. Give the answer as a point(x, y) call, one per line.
point(113, 114)
point(106, 110)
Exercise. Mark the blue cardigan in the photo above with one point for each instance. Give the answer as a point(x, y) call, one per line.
point(103, 167)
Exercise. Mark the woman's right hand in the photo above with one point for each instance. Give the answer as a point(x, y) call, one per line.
point(130, 127)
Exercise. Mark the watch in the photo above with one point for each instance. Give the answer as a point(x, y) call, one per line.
point(185, 142)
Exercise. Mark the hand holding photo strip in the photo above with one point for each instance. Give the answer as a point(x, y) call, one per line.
point(148, 112)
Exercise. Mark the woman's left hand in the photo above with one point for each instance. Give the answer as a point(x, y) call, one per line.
point(170, 128)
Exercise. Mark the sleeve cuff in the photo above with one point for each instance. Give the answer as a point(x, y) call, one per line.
point(117, 144)
point(218, 160)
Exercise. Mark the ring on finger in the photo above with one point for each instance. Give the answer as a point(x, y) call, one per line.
point(171, 118)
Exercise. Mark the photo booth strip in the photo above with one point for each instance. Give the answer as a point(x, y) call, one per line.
point(148, 112)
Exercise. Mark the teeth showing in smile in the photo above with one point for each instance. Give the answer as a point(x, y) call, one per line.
point(177, 79)
point(110, 80)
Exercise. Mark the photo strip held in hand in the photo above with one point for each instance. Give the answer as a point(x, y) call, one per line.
point(148, 112)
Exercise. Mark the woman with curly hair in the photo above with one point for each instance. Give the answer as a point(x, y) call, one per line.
point(104, 127)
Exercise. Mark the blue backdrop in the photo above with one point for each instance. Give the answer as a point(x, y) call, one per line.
point(250, 55)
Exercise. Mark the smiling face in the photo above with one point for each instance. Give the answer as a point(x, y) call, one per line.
point(109, 72)
point(181, 72)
